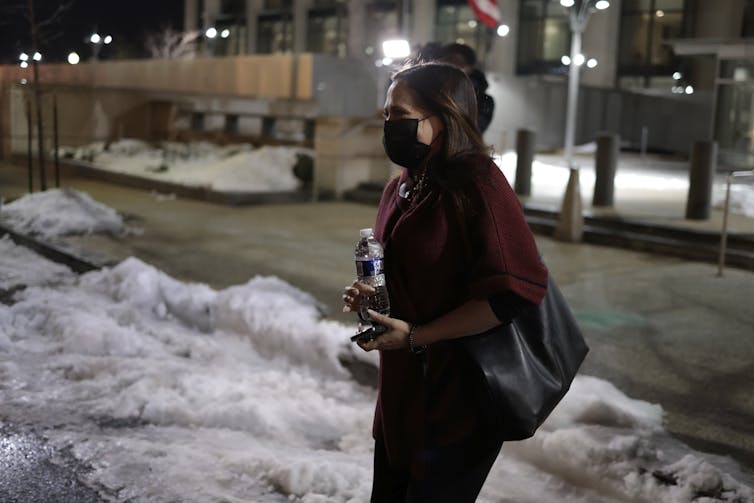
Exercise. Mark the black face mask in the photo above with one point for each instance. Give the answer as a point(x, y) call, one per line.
point(401, 145)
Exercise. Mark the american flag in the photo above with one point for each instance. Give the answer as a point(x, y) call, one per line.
point(486, 11)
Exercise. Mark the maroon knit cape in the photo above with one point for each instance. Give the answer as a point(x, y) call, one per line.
point(435, 261)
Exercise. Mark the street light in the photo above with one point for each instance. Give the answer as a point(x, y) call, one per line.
point(37, 57)
point(396, 48)
point(211, 32)
point(578, 13)
point(73, 58)
point(97, 42)
point(503, 30)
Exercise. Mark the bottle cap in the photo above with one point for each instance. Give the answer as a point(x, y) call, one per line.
point(366, 232)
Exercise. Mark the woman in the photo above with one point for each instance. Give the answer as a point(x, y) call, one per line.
point(459, 260)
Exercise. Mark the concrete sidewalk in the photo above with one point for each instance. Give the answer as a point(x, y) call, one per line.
point(661, 328)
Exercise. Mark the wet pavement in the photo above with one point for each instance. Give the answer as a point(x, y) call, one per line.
point(661, 328)
point(31, 471)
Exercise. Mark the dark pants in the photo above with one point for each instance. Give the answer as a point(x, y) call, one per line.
point(460, 486)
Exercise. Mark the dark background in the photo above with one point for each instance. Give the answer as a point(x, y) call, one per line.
point(128, 21)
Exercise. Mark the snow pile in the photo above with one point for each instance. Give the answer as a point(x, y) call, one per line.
point(14, 271)
point(175, 391)
point(268, 167)
point(229, 168)
point(57, 212)
point(741, 199)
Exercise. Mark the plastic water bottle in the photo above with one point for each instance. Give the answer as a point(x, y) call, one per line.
point(370, 270)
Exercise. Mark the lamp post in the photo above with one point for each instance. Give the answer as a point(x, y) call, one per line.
point(571, 221)
point(97, 41)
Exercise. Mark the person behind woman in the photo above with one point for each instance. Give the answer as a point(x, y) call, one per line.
point(459, 260)
point(464, 57)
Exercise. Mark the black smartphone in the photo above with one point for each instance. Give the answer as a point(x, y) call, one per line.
point(368, 334)
point(365, 335)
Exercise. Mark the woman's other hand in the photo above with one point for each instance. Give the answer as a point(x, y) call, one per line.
point(395, 337)
point(353, 294)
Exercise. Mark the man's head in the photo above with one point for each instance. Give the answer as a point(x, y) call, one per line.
point(460, 55)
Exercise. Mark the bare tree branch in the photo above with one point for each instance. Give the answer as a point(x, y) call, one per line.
point(171, 44)
point(55, 16)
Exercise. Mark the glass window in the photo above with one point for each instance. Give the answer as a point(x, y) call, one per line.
point(457, 23)
point(645, 27)
point(275, 33)
point(634, 35)
point(669, 5)
point(327, 30)
point(544, 37)
point(734, 127)
point(738, 70)
point(747, 27)
point(278, 4)
point(637, 5)
point(233, 7)
point(200, 14)
point(664, 28)
point(382, 18)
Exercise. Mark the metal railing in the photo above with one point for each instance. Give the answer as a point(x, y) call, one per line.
point(726, 211)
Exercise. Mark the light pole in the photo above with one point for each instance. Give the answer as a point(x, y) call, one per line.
point(97, 41)
point(571, 221)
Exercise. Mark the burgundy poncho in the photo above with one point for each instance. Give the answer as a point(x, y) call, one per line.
point(432, 269)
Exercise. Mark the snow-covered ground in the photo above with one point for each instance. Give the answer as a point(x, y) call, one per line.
point(241, 168)
point(175, 391)
point(637, 182)
point(230, 168)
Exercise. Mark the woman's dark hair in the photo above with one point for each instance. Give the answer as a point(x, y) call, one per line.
point(445, 91)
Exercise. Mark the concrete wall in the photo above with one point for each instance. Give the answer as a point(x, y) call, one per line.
point(673, 122)
point(104, 100)
point(349, 152)
point(84, 117)
point(343, 87)
point(282, 76)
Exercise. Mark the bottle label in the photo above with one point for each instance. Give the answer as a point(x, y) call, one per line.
point(369, 267)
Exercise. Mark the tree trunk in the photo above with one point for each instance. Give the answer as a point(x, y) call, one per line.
point(37, 98)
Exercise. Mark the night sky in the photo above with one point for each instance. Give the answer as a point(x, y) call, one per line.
point(128, 21)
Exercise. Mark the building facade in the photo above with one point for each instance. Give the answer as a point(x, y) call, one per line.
point(687, 63)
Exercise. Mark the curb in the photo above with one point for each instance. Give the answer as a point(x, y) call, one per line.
point(88, 170)
point(692, 244)
point(51, 252)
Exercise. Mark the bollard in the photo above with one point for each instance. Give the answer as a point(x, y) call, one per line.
point(644, 142)
point(570, 226)
point(524, 159)
point(605, 163)
point(703, 162)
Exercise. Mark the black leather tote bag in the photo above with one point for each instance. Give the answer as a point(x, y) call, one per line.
point(528, 364)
